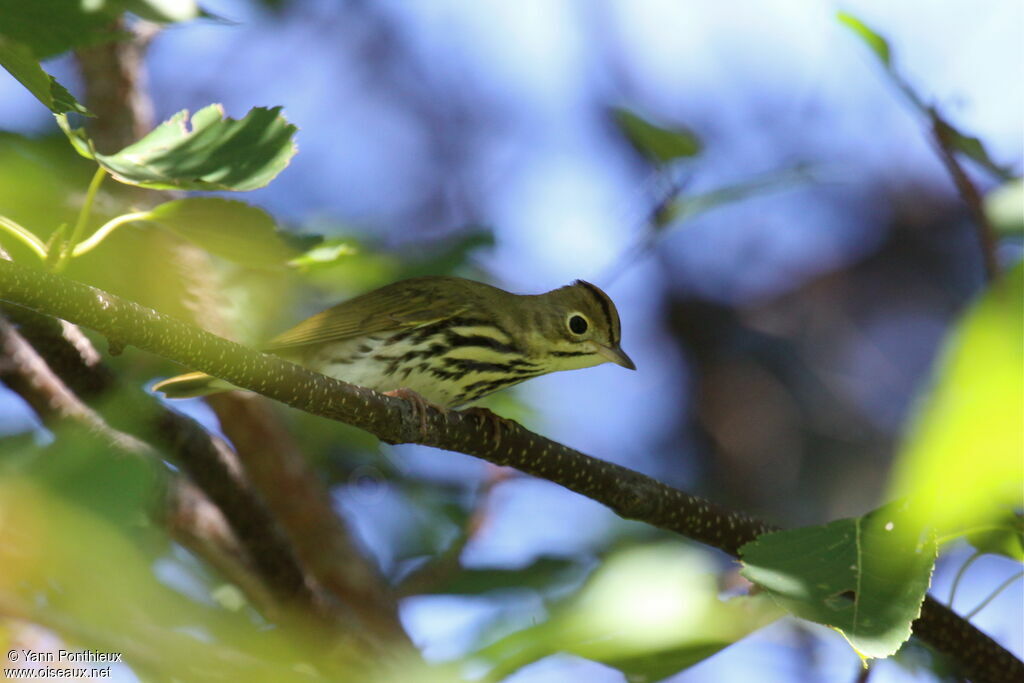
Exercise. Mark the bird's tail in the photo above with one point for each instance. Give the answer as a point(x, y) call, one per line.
point(191, 384)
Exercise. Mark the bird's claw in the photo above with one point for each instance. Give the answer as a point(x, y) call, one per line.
point(418, 404)
point(497, 423)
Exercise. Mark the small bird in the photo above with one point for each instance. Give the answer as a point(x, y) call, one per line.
point(447, 339)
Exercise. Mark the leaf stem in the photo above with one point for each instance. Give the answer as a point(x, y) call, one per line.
point(960, 574)
point(957, 535)
point(25, 236)
point(83, 218)
point(104, 231)
point(984, 603)
point(987, 241)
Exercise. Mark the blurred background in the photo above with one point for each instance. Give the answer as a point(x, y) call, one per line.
point(781, 335)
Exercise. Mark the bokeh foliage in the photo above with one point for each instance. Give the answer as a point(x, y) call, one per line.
point(961, 468)
point(71, 513)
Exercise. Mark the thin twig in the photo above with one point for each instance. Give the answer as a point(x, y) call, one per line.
point(960, 574)
point(968, 192)
point(992, 596)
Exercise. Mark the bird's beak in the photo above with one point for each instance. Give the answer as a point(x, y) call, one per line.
point(615, 355)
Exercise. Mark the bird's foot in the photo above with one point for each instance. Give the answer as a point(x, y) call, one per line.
point(497, 423)
point(418, 403)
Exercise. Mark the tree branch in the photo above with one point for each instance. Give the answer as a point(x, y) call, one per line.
point(28, 375)
point(193, 520)
point(629, 493)
point(115, 86)
point(299, 546)
point(208, 461)
point(263, 489)
point(302, 505)
point(187, 513)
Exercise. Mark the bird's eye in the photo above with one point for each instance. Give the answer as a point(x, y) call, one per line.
point(578, 324)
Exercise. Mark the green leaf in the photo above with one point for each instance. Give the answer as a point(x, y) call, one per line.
point(18, 59)
point(878, 44)
point(228, 228)
point(50, 27)
point(326, 253)
point(60, 559)
point(78, 138)
point(41, 182)
point(213, 153)
point(1004, 537)
point(90, 474)
point(162, 11)
point(970, 146)
point(686, 207)
point(649, 612)
point(960, 464)
point(947, 134)
point(880, 47)
point(1004, 207)
point(448, 255)
point(855, 575)
point(655, 143)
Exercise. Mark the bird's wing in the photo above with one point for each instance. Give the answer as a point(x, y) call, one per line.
point(394, 307)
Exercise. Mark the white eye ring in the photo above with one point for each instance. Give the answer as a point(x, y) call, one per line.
point(577, 324)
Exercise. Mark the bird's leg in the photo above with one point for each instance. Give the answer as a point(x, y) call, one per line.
point(418, 403)
point(497, 423)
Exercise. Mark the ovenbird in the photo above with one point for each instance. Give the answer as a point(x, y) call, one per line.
point(447, 339)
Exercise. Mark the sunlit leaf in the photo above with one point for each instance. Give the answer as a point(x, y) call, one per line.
point(41, 182)
point(161, 11)
point(656, 143)
point(855, 575)
point(85, 575)
point(91, 474)
point(344, 266)
point(1004, 207)
point(207, 152)
point(19, 60)
point(960, 464)
point(49, 27)
point(229, 597)
point(230, 229)
point(877, 43)
point(649, 612)
point(1003, 537)
point(326, 253)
